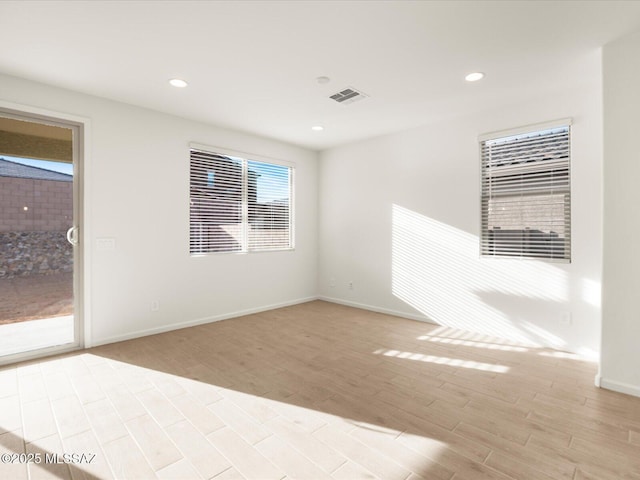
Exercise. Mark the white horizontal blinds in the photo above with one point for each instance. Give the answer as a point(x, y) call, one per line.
point(269, 201)
point(238, 205)
point(215, 203)
point(526, 195)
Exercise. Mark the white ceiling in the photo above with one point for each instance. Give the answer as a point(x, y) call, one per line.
point(252, 65)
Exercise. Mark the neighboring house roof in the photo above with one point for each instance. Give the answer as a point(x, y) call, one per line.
point(17, 170)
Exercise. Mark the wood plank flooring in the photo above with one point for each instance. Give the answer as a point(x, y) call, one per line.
point(316, 391)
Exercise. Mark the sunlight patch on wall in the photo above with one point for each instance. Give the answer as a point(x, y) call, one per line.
point(549, 338)
point(591, 292)
point(436, 269)
point(588, 354)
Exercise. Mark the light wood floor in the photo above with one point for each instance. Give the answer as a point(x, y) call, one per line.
point(317, 391)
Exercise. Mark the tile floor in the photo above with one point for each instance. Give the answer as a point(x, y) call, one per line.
point(315, 391)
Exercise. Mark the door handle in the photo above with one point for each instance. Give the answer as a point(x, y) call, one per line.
point(72, 236)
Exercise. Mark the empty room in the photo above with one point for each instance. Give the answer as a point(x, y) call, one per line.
point(391, 240)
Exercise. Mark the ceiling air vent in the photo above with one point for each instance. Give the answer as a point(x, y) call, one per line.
point(348, 95)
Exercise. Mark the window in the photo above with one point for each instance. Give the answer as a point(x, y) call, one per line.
point(526, 195)
point(238, 205)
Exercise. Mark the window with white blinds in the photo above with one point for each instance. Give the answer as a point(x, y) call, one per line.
point(238, 205)
point(526, 195)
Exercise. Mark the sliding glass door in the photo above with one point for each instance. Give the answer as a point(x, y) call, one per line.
point(38, 237)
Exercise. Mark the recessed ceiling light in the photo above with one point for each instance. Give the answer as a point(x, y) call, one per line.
point(317, 128)
point(323, 80)
point(178, 82)
point(474, 77)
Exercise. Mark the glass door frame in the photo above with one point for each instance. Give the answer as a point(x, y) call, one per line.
point(79, 127)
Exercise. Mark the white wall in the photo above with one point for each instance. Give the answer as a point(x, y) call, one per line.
point(137, 190)
point(620, 367)
point(400, 217)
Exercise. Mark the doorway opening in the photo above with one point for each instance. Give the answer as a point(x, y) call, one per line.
point(39, 243)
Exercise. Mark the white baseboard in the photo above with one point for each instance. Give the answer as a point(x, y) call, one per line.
point(372, 308)
point(199, 321)
point(620, 387)
point(420, 318)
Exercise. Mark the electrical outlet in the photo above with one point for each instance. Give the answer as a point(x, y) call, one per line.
point(155, 305)
point(351, 285)
point(566, 318)
point(332, 282)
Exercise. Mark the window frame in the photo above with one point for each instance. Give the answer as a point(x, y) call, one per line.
point(568, 224)
point(245, 158)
